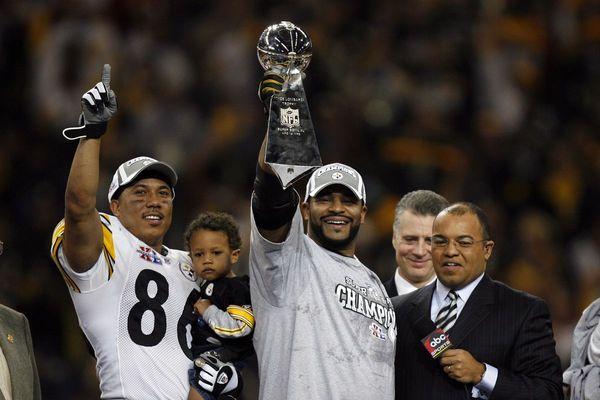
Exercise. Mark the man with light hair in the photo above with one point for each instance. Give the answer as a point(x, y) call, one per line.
point(413, 220)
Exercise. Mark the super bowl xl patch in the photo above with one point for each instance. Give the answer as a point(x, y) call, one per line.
point(377, 331)
point(148, 254)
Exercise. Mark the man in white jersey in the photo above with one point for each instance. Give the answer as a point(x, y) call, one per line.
point(325, 328)
point(133, 295)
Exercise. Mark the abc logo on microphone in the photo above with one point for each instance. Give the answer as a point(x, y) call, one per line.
point(436, 342)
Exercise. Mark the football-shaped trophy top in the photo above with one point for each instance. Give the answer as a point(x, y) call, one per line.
point(284, 44)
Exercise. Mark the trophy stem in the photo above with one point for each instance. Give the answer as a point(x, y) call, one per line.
point(288, 74)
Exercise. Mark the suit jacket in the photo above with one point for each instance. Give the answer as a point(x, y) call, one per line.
point(390, 287)
point(15, 339)
point(506, 328)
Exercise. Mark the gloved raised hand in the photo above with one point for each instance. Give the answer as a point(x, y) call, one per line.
point(98, 106)
point(217, 377)
point(271, 83)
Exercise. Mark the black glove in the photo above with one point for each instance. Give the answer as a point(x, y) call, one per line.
point(271, 83)
point(98, 105)
point(217, 377)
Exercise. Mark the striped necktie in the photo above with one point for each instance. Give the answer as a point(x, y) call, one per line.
point(447, 314)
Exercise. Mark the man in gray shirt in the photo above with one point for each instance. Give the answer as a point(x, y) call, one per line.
point(325, 328)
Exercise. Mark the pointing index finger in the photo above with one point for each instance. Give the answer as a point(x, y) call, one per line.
point(106, 75)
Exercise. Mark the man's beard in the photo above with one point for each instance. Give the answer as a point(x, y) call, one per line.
point(330, 244)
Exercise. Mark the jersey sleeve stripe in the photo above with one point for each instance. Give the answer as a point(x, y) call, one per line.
point(108, 250)
point(107, 237)
point(68, 280)
point(109, 262)
point(58, 232)
point(242, 314)
point(109, 246)
point(105, 221)
point(109, 257)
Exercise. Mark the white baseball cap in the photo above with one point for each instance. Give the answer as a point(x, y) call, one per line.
point(129, 170)
point(336, 174)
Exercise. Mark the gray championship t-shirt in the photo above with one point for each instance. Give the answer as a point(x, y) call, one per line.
point(325, 327)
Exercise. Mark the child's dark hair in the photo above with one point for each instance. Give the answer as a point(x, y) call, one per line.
point(216, 222)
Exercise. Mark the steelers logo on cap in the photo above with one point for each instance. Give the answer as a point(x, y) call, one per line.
point(337, 176)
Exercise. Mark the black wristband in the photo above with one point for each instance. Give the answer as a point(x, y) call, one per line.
point(94, 131)
point(89, 131)
point(267, 186)
point(272, 206)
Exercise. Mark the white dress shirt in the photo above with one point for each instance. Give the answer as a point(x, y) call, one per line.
point(5, 386)
point(403, 286)
point(488, 382)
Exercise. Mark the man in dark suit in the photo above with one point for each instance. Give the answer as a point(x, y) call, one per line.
point(413, 219)
point(18, 372)
point(502, 342)
point(15, 343)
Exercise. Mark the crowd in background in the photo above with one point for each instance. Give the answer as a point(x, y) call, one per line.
point(494, 102)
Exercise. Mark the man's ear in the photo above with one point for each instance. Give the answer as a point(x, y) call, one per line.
point(114, 207)
point(489, 246)
point(305, 210)
point(363, 214)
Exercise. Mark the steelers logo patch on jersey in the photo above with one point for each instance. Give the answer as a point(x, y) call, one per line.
point(188, 271)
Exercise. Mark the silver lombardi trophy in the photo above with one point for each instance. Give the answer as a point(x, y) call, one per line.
point(292, 149)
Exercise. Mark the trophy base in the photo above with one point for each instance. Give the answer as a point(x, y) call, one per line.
point(289, 174)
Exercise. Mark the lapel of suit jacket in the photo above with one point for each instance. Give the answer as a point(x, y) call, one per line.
point(420, 315)
point(474, 312)
point(390, 286)
point(15, 352)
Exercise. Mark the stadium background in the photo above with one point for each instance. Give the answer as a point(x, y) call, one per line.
point(495, 102)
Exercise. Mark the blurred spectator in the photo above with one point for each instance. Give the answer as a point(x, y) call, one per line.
point(582, 378)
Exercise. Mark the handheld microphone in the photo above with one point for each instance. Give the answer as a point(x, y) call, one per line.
point(436, 342)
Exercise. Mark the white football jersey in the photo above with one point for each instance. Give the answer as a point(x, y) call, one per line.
point(135, 306)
